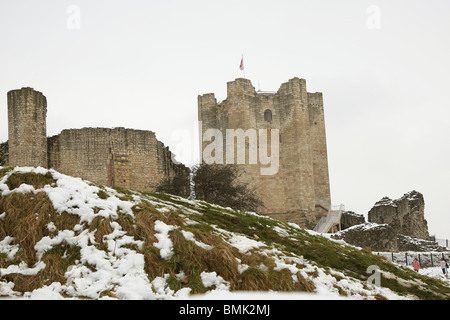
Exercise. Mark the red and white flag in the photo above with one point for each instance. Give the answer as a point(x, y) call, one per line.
point(241, 66)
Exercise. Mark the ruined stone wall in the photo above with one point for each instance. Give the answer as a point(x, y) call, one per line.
point(394, 225)
point(376, 237)
point(27, 130)
point(81, 153)
point(350, 219)
point(383, 237)
point(127, 158)
point(299, 191)
point(405, 215)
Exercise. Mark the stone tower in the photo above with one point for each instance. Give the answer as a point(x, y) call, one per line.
point(299, 191)
point(27, 130)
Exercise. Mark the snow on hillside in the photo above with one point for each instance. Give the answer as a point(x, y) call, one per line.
point(120, 267)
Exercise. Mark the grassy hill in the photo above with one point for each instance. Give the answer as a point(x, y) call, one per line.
point(63, 237)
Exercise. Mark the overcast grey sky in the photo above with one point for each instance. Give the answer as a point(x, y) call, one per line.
point(383, 68)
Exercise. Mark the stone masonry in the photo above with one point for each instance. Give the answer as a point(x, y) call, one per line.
point(27, 130)
point(128, 158)
point(299, 192)
point(405, 215)
point(350, 219)
point(394, 225)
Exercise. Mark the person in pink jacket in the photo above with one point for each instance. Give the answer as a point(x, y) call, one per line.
point(416, 265)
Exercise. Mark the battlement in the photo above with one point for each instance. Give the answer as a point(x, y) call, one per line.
point(207, 100)
point(295, 88)
point(240, 87)
point(315, 99)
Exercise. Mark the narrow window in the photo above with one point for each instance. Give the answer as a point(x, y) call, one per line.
point(268, 115)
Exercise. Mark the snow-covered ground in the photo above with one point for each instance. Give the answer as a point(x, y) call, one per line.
point(435, 272)
point(121, 269)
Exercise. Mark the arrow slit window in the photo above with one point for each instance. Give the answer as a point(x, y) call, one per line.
point(268, 115)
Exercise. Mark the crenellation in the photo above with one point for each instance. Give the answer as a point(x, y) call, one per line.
point(315, 100)
point(294, 88)
point(207, 100)
point(240, 88)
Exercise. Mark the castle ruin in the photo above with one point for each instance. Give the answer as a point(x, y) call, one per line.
point(299, 191)
point(121, 157)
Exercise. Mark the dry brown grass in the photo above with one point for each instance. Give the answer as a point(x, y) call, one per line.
point(221, 258)
point(37, 180)
point(102, 227)
point(26, 220)
point(24, 283)
point(261, 276)
point(56, 266)
point(192, 259)
point(29, 214)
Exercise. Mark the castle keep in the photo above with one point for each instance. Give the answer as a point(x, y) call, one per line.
point(299, 191)
point(128, 158)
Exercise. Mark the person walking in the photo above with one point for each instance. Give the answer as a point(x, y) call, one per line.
point(444, 266)
point(416, 265)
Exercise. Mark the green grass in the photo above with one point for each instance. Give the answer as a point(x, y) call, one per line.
point(5, 170)
point(102, 194)
point(28, 215)
point(323, 252)
point(37, 180)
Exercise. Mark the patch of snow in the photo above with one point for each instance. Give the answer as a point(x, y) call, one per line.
point(241, 266)
point(190, 237)
point(7, 248)
point(23, 268)
point(164, 243)
point(120, 270)
point(282, 232)
point(51, 292)
point(244, 244)
point(386, 201)
point(210, 279)
point(51, 226)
